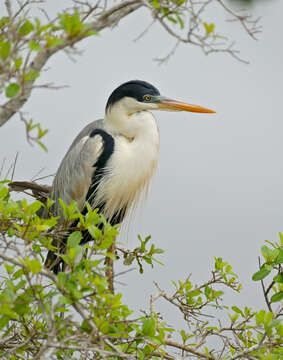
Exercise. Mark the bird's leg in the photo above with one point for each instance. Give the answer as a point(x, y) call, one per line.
point(109, 272)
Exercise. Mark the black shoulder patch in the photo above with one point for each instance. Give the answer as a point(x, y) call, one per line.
point(108, 147)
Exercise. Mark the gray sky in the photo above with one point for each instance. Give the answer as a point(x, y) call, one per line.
point(218, 189)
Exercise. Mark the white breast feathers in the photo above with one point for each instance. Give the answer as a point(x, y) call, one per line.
point(130, 167)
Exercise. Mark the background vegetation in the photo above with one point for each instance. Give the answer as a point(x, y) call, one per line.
point(74, 315)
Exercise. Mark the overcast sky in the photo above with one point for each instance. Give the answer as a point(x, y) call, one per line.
point(218, 188)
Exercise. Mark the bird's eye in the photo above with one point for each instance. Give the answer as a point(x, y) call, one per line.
point(147, 97)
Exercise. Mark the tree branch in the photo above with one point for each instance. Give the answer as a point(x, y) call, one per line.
point(108, 18)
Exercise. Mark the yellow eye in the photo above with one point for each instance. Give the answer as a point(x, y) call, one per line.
point(147, 97)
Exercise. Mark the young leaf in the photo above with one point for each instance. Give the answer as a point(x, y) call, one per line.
point(278, 278)
point(12, 90)
point(35, 266)
point(74, 239)
point(277, 297)
point(237, 310)
point(279, 258)
point(5, 49)
point(262, 273)
point(31, 75)
point(148, 327)
point(209, 28)
point(34, 46)
point(26, 28)
point(34, 207)
point(18, 63)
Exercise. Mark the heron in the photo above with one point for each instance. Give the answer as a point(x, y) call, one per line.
point(111, 161)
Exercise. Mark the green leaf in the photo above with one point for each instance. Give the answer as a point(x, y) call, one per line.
point(62, 277)
point(49, 203)
point(278, 278)
point(34, 207)
point(5, 49)
point(35, 266)
point(71, 23)
point(260, 317)
point(106, 243)
point(207, 291)
point(19, 273)
point(26, 28)
point(3, 191)
point(18, 63)
point(279, 258)
point(148, 327)
point(36, 248)
point(65, 300)
point(61, 309)
point(4, 20)
point(42, 146)
point(173, 20)
point(262, 273)
point(209, 28)
point(54, 41)
point(218, 293)
point(31, 75)
point(74, 239)
point(155, 3)
point(95, 232)
point(266, 252)
point(4, 321)
point(85, 327)
point(268, 318)
point(9, 268)
point(237, 310)
point(73, 252)
point(181, 22)
point(269, 254)
point(277, 297)
point(34, 46)
point(66, 259)
point(183, 335)
point(12, 90)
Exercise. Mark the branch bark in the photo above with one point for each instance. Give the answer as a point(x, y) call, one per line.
point(107, 19)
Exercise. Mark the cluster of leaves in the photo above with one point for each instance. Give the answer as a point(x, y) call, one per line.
point(273, 256)
point(247, 334)
point(22, 38)
point(141, 254)
point(177, 12)
point(172, 11)
point(25, 44)
point(32, 299)
point(75, 316)
point(28, 41)
point(34, 132)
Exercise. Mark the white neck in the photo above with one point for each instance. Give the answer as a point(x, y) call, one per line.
point(127, 119)
point(134, 160)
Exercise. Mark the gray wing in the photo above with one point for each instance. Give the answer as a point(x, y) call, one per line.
point(73, 177)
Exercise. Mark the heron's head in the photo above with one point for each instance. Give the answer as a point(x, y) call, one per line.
point(137, 95)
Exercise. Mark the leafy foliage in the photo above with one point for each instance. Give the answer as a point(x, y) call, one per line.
point(29, 38)
point(273, 256)
point(23, 40)
point(75, 316)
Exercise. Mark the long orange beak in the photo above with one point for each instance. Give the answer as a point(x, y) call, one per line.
point(174, 105)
